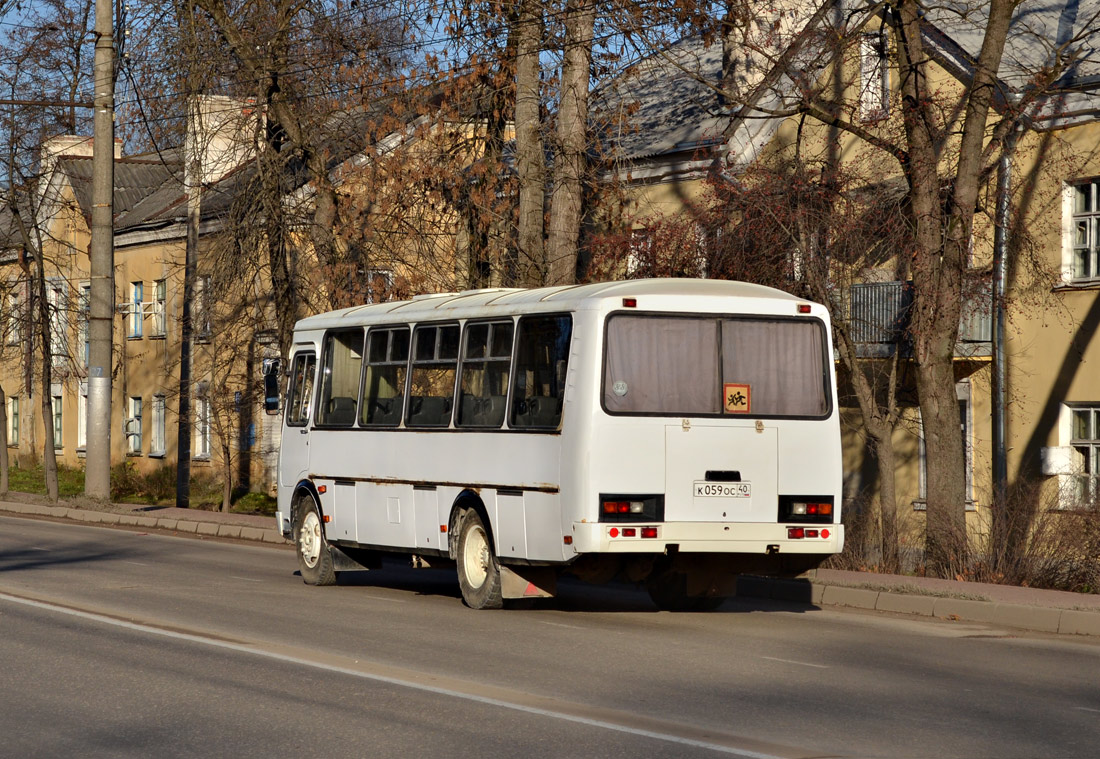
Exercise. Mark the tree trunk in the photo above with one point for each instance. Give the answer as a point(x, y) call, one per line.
point(888, 503)
point(49, 453)
point(567, 202)
point(529, 267)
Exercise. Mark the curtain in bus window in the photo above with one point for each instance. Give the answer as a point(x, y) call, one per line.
point(343, 356)
point(776, 366)
point(661, 365)
point(542, 355)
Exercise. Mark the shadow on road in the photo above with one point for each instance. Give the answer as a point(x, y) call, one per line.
point(576, 596)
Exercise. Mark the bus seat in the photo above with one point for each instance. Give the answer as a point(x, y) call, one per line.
point(341, 411)
point(385, 411)
point(429, 411)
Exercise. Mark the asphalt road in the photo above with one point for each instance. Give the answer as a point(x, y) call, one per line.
point(118, 643)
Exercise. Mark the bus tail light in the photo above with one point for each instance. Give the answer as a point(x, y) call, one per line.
point(810, 509)
point(649, 532)
point(631, 508)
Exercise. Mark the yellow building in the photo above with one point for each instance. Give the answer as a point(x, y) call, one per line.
point(681, 145)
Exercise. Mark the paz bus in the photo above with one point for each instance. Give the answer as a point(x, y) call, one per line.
point(672, 432)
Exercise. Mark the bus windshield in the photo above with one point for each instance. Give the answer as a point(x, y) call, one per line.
point(715, 366)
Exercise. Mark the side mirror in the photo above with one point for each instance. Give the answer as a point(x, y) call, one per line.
point(270, 370)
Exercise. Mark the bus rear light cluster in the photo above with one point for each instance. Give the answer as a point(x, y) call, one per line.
point(798, 533)
point(632, 532)
point(632, 508)
point(812, 509)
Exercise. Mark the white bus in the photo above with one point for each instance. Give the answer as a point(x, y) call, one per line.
point(674, 432)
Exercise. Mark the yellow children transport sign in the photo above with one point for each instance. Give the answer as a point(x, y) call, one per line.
point(738, 398)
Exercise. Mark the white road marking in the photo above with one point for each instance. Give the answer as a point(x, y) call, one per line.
point(246, 579)
point(559, 624)
point(405, 682)
point(799, 663)
point(36, 548)
point(137, 563)
point(1086, 709)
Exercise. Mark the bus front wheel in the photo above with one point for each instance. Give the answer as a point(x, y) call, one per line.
point(314, 556)
point(478, 570)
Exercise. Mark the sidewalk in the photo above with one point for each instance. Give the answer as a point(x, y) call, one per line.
point(1049, 611)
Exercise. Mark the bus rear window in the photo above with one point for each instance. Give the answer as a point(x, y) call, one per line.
point(710, 366)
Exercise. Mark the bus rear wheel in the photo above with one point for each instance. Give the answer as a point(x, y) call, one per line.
point(314, 556)
point(478, 570)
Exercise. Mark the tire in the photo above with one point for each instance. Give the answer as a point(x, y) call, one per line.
point(478, 569)
point(314, 556)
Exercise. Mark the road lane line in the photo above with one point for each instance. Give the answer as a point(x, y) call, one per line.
point(610, 719)
point(799, 663)
point(1086, 709)
point(246, 579)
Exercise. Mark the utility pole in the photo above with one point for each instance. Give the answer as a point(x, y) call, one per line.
point(97, 478)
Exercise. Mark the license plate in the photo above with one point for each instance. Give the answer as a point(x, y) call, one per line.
point(705, 489)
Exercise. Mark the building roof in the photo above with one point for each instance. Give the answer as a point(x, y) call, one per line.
point(668, 104)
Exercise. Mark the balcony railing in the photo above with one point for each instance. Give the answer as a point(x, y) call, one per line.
point(878, 316)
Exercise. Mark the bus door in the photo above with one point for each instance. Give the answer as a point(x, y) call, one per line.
point(294, 449)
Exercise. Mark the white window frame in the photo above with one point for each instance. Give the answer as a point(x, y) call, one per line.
point(13, 420)
point(133, 425)
point(84, 310)
point(202, 428)
point(156, 431)
point(13, 311)
point(1081, 231)
point(82, 418)
point(1081, 485)
point(57, 404)
point(56, 301)
point(874, 75)
point(200, 309)
point(160, 296)
point(966, 427)
point(134, 322)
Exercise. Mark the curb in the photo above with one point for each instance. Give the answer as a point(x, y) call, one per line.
point(1019, 616)
point(109, 519)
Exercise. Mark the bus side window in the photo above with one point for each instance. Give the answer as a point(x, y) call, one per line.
point(432, 375)
point(342, 357)
point(384, 380)
point(483, 386)
point(542, 355)
point(301, 389)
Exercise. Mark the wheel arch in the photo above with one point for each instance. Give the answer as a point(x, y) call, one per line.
point(304, 488)
point(467, 500)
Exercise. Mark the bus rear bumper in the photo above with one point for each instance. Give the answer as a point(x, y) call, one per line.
point(707, 537)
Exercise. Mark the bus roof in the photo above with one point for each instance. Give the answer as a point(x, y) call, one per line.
point(479, 303)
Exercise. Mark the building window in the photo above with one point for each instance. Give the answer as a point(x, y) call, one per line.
point(1085, 230)
point(84, 305)
point(56, 305)
point(160, 291)
point(202, 428)
point(137, 295)
point(874, 77)
point(133, 426)
point(82, 418)
point(200, 309)
point(11, 311)
point(962, 392)
point(13, 420)
point(156, 444)
point(1085, 441)
point(58, 427)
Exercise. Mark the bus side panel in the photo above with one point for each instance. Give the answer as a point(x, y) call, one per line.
point(385, 514)
point(426, 519)
point(542, 512)
point(510, 525)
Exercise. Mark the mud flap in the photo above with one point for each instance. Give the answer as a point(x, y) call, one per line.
point(528, 582)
